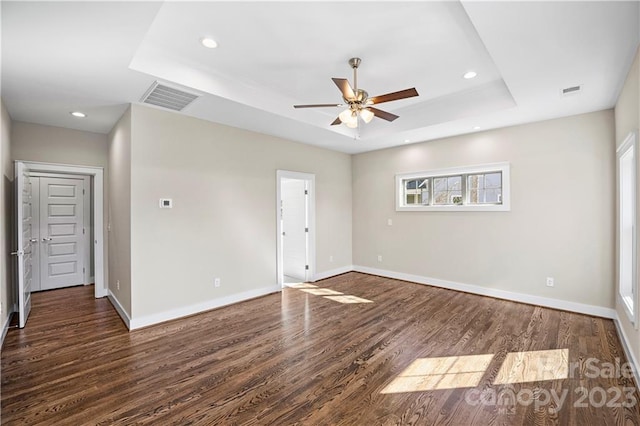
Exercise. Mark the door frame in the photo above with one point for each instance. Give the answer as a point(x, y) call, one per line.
point(311, 212)
point(100, 272)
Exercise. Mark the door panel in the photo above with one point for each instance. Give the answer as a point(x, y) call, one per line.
point(294, 222)
point(24, 248)
point(61, 231)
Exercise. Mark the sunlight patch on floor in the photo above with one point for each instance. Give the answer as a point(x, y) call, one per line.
point(348, 299)
point(533, 366)
point(450, 372)
point(321, 291)
point(301, 285)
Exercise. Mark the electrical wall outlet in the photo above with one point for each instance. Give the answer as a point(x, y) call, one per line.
point(117, 284)
point(389, 222)
point(379, 258)
point(216, 282)
point(330, 258)
point(550, 282)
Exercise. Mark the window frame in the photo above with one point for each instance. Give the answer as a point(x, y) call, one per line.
point(628, 299)
point(503, 167)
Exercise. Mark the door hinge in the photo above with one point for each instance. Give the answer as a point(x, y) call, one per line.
point(306, 267)
point(306, 192)
point(83, 192)
point(83, 270)
point(306, 229)
point(82, 231)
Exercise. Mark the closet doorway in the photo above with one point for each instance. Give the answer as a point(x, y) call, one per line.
point(295, 227)
point(61, 230)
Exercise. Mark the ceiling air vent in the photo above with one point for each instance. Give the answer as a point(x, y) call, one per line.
point(168, 97)
point(571, 90)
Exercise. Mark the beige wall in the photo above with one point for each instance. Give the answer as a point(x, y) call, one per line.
point(223, 223)
point(48, 144)
point(6, 193)
point(561, 222)
point(627, 119)
point(119, 227)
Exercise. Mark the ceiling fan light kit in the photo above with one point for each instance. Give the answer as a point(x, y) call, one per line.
point(358, 102)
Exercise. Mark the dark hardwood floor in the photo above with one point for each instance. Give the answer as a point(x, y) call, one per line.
point(301, 358)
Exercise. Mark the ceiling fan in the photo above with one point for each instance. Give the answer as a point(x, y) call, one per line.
point(358, 101)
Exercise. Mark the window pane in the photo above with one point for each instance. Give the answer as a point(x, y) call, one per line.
point(447, 190)
point(416, 191)
point(493, 180)
point(485, 188)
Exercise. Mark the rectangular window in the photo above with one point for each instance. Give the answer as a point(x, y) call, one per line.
point(473, 188)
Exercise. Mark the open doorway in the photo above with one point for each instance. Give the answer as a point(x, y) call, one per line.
point(295, 206)
point(66, 180)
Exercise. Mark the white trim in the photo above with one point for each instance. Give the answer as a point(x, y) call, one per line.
point(86, 225)
point(148, 320)
point(119, 309)
point(626, 348)
point(311, 180)
point(503, 167)
point(332, 273)
point(598, 311)
point(630, 142)
point(100, 272)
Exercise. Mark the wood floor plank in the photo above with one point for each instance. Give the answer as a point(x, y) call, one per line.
point(301, 358)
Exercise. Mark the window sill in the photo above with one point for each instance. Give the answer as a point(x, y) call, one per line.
point(486, 208)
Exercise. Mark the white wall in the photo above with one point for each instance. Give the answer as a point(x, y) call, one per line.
point(119, 218)
point(223, 223)
point(6, 194)
point(561, 222)
point(627, 119)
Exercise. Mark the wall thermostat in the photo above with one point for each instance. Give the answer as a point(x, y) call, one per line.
point(166, 203)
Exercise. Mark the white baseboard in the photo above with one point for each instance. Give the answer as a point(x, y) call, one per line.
point(5, 328)
point(119, 309)
point(626, 346)
point(148, 320)
point(547, 302)
point(7, 321)
point(332, 273)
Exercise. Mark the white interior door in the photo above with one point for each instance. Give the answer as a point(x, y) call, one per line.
point(62, 232)
point(294, 228)
point(24, 247)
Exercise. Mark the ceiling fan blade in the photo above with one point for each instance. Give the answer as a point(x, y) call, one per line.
point(336, 121)
point(317, 106)
point(382, 114)
point(402, 94)
point(345, 88)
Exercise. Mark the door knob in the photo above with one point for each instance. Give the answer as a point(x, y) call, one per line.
point(33, 240)
point(45, 239)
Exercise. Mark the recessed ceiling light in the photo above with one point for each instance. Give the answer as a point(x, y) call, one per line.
point(209, 42)
point(470, 74)
point(476, 127)
point(407, 140)
point(78, 114)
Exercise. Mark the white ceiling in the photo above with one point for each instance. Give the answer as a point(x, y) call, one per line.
point(97, 57)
